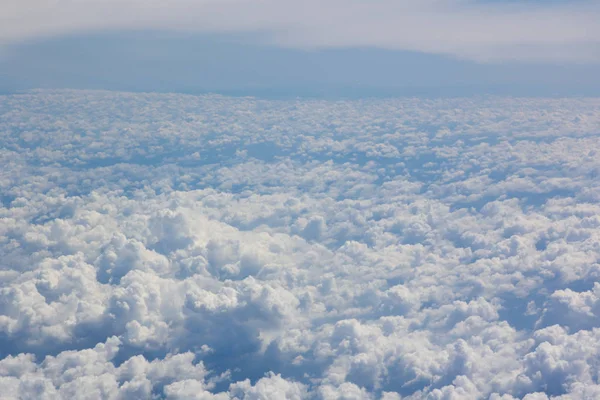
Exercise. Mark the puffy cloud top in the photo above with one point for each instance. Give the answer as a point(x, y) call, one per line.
point(184, 247)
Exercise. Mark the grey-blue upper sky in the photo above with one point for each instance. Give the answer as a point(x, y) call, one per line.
point(350, 47)
point(153, 61)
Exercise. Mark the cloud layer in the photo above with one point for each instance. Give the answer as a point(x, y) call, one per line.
point(208, 247)
point(481, 31)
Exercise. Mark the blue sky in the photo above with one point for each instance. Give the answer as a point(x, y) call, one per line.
point(333, 47)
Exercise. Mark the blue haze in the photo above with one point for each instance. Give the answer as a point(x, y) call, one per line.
point(235, 65)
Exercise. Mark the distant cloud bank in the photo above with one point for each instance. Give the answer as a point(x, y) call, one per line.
point(499, 31)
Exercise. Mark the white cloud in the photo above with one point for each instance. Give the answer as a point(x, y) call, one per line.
point(482, 31)
point(212, 247)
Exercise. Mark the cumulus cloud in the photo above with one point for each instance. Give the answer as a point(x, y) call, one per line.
point(206, 247)
point(477, 30)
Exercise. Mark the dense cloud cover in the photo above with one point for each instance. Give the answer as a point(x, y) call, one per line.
point(205, 247)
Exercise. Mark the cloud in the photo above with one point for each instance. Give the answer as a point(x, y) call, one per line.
point(210, 247)
point(91, 373)
point(481, 31)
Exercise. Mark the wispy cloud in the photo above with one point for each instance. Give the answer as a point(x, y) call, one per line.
point(481, 31)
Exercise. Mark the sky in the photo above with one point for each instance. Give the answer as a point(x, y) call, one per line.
point(314, 48)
